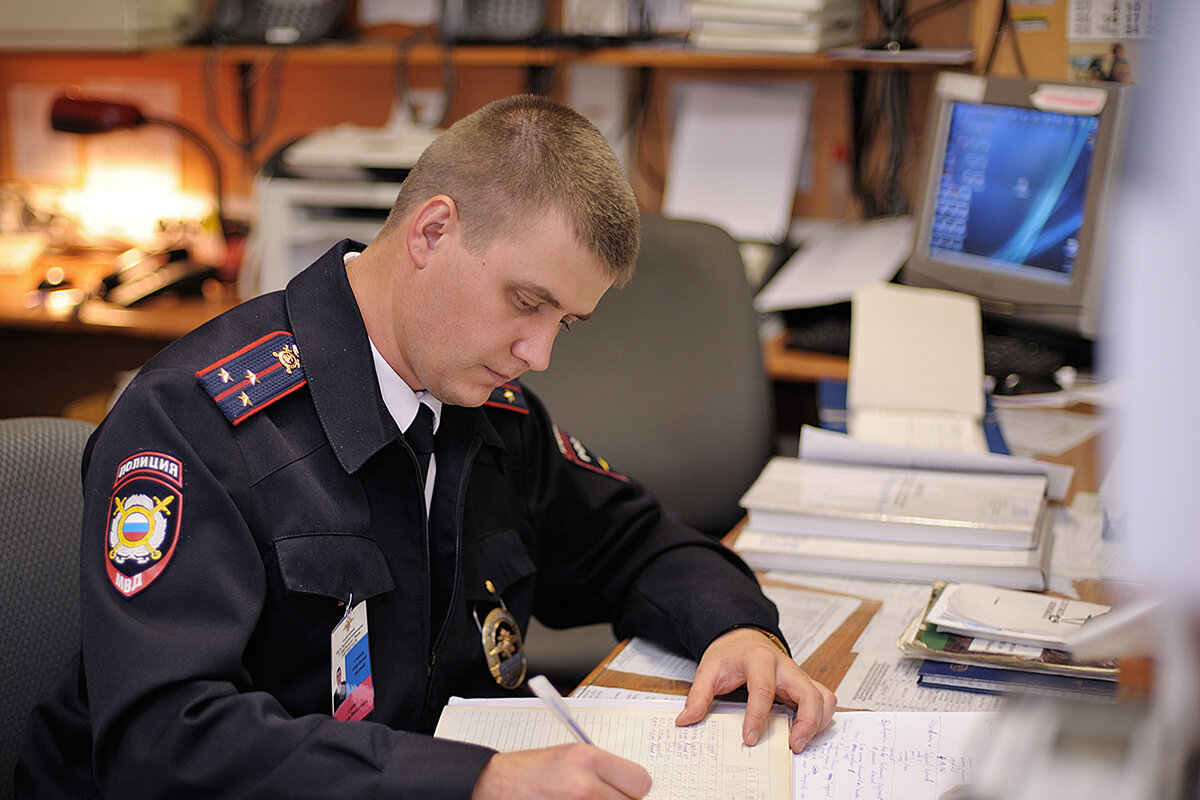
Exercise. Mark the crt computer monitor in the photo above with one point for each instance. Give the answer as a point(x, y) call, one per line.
point(1018, 177)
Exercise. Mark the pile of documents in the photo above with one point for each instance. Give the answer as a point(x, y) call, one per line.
point(788, 26)
point(986, 639)
point(897, 523)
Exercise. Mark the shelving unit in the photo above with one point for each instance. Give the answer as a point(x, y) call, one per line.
point(330, 83)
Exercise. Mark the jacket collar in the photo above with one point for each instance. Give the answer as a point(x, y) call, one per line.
point(336, 354)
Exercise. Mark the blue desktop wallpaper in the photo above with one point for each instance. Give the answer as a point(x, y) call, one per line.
point(1013, 186)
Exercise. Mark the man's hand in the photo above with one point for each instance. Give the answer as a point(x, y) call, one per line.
point(569, 771)
point(747, 656)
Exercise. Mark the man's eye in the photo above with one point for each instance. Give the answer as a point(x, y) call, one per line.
point(526, 304)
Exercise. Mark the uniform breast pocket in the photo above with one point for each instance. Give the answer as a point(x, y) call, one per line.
point(335, 565)
point(501, 558)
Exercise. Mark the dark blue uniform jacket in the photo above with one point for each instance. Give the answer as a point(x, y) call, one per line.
point(217, 559)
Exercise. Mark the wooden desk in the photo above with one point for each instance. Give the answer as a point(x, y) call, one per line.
point(51, 357)
point(833, 659)
point(828, 664)
point(794, 375)
point(801, 366)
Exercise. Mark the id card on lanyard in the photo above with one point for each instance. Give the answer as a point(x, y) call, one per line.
point(350, 665)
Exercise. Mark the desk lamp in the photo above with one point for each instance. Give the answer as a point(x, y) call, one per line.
point(78, 115)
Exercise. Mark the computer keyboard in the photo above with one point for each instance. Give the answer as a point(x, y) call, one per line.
point(1004, 354)
point(1015, 355)
point(821, 332)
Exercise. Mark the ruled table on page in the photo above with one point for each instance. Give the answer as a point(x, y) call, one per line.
point(706, 760)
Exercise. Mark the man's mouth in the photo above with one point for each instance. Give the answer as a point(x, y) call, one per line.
point(498, 377)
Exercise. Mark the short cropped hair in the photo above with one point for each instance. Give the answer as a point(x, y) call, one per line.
point(516, 158)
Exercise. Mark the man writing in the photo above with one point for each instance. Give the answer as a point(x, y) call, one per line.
point(262, 507)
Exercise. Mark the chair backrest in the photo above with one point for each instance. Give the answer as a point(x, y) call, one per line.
point(666, 381)
point(41, 510)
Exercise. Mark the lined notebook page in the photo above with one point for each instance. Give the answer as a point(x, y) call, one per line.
point(707, 760)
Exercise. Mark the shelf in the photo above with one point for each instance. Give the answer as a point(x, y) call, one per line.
point(655, 56)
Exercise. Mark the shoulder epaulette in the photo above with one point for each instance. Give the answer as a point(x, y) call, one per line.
point(509, 396)
point(251, 378)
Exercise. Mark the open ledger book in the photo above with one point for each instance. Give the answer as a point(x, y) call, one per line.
point(706, 760)
point(884, 755)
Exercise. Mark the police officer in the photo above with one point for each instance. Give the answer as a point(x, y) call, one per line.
point(347, 479)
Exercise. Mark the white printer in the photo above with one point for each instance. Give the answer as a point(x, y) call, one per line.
point(329, 185)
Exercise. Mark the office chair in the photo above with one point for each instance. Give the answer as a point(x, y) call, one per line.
point(666, 382)
point(41, 510)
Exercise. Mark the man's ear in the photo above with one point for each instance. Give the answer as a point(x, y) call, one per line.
point(428, 226)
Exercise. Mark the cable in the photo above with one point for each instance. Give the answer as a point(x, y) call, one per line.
point(250, 74)
point(1005, 30)
point(400, 72)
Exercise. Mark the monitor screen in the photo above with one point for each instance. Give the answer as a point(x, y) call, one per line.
point(1012, 208)
point(1012, 190)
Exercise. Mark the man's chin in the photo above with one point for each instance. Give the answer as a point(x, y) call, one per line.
point(468, 396)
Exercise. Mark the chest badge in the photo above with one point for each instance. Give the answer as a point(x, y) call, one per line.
point(502, 644)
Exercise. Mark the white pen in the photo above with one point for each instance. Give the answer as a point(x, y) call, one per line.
point(550, 696)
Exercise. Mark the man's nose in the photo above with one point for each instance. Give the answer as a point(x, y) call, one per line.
point(534, 348)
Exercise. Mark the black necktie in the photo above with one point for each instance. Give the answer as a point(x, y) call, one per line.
point(441, 548)
point(420, 437)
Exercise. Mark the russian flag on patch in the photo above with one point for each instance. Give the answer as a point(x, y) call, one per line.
point(255, 376)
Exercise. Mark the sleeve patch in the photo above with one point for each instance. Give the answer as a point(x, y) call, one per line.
point(143, 520)
point(250, 379)
point(574, 451)
point(509, 396)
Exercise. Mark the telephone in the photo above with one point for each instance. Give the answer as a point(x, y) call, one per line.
point(492, 20)
point(140, 276)
point(277, 21)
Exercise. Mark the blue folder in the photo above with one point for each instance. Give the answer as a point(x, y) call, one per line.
point(831, 412)
point(993, 680)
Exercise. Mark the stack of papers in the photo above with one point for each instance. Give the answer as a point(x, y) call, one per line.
point(1000, 615)
point(791, 26)
point(893, 523)
point(987, 639)
point(912, 506)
